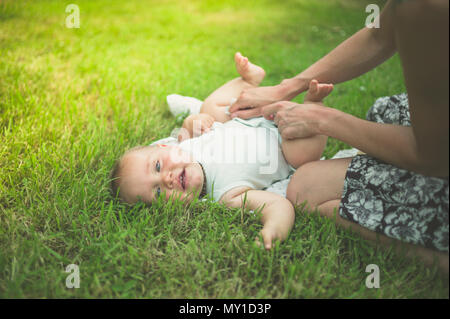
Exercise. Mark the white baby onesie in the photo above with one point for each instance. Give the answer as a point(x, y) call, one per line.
point(239, 153)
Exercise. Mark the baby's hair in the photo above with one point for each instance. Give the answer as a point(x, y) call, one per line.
point(117, 169)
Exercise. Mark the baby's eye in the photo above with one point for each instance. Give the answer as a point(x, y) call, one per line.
point(158, 166)
point(158, 192)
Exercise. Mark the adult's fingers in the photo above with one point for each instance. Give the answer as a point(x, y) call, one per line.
point(272, 109)
point(289, 132)
point(246, 114)
point(241, 103)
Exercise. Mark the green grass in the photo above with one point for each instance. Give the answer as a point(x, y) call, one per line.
point(72, 100)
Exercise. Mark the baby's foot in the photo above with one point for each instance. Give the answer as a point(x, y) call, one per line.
point(318, 91)
point(251, 73)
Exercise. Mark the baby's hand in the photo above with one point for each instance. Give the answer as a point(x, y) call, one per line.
point(196, 125)
point(269, 234)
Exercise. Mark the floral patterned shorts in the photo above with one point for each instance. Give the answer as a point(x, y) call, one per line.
point(395, 202)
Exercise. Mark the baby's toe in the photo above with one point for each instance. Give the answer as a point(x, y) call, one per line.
point(237, 58)
point(242, 60)
point(313, 86)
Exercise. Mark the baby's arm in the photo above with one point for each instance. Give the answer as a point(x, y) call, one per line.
point(195, 125)
point(277, 212)
point(214, 108)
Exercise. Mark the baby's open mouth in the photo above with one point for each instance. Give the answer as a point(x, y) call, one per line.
point(182, 179)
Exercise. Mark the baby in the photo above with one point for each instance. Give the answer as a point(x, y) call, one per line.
point(230, 160)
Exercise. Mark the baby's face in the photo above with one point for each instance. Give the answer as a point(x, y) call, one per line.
point(156, 171)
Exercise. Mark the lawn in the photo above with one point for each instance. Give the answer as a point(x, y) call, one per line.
point(72, 100)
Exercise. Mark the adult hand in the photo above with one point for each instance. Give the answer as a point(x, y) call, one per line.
point(251, 100)
point(295, 120)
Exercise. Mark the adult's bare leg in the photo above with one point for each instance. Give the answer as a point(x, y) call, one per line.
point(321, 183)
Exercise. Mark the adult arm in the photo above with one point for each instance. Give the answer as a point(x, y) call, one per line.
point(390, 143)
point(421, 35)
point(355, 56)
point(394, 144)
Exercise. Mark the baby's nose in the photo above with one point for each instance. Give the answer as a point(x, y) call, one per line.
point(168, 179)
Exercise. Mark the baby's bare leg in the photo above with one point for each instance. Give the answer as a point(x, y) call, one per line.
point(251, 76)
point(303, 150)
